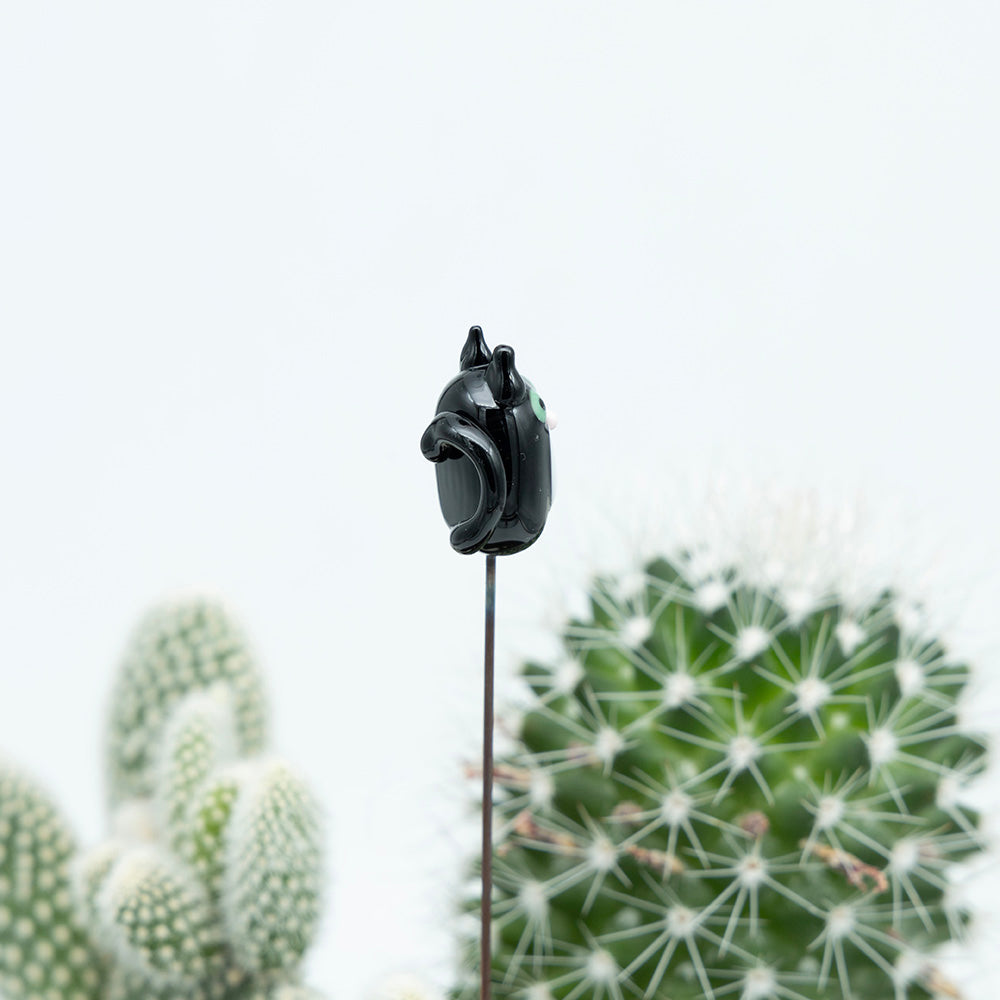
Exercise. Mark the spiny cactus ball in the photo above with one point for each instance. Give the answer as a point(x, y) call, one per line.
point(725, 789)
point(209, 887)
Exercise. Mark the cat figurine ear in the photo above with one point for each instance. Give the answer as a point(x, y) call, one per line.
point(503, 379)
point(475, 352)
point(490, 443)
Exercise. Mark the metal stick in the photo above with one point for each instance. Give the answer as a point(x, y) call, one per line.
point(487, 866)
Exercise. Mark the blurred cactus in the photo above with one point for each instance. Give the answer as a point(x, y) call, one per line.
point(209, 887)
point(178, 648)
point(727, 789)
point(404, 986)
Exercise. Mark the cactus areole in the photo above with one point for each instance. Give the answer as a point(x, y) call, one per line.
point(490, 442)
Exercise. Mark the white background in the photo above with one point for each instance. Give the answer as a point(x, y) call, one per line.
point(240, 246)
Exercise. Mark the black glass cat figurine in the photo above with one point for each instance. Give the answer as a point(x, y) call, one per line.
point(490, 440)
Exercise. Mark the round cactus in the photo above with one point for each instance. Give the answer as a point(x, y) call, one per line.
point(210, 886)
point(725, 788)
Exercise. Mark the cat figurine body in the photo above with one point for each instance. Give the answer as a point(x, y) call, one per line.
point(490, 443)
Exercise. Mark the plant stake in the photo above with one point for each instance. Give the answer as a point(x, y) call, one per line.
point(490, 443)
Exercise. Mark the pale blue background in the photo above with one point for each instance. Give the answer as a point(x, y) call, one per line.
point(240, 244)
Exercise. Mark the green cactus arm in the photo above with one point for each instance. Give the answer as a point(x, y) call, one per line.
point(202, 841)
point(157, 921)
point(273, 873)
point(199, 738)
point(44, 948)
point(177, 648)
point(88, 873)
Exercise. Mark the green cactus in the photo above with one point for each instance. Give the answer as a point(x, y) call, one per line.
point(725, 789)
point(210, 886)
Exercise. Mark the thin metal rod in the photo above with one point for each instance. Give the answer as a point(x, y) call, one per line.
point(485, 960)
